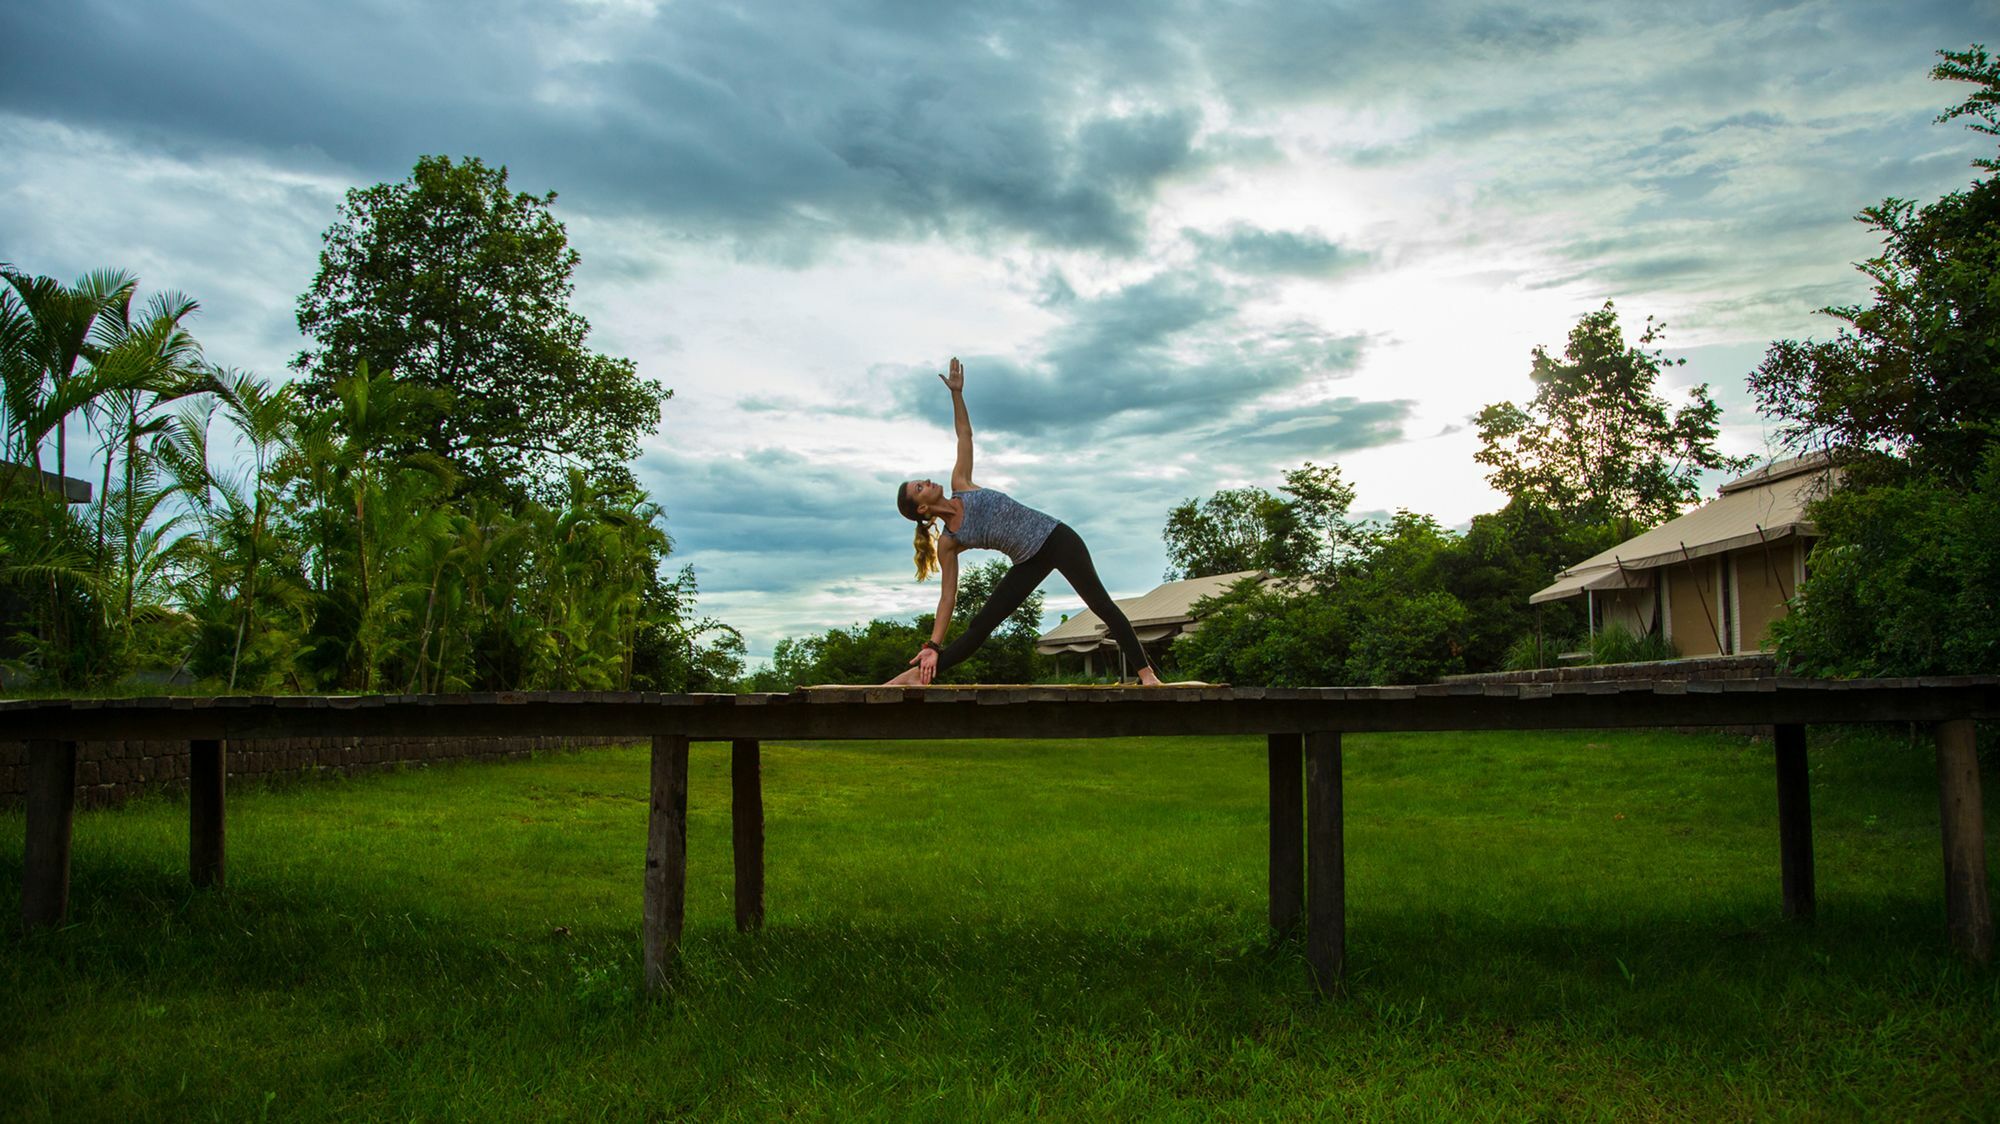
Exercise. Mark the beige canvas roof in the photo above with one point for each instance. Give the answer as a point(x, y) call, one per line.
point(1167, 610)
point(1764, 506)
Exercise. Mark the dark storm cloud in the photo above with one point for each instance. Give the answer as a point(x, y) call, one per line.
point(787, 127)
point(1323, 430)
point(1153, 358)
point(769, 497)
point(790, 123)
point(1514, 30)
point(1246, 249)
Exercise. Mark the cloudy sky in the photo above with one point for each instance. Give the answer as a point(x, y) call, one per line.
point(1181, 246)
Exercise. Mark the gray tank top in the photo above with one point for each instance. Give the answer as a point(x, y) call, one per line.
point(996, 521)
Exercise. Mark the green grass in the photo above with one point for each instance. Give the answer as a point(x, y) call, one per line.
point(1575, 925)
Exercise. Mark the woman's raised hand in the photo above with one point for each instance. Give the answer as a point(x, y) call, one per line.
point(955, 380)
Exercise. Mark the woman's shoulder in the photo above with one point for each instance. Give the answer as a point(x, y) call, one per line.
point(967, 490)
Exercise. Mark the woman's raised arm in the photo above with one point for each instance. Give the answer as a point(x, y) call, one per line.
point(961, 472)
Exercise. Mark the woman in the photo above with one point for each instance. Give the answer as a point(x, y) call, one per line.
point(981, 518)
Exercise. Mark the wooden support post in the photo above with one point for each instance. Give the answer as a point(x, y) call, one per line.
point(666, 860)
point(51, 809)
point(208, 770)
point(1961, 816)
point(1326, 864)
point(1795, 850)
point(746, 831)
point(1288, 858)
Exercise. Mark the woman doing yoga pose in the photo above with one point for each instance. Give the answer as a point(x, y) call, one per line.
point(976, 517)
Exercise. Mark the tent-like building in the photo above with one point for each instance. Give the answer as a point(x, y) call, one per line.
point(1713, 580)
point(1158, 617)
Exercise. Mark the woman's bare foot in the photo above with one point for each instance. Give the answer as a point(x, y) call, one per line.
point(1148, 677)
point(906, 679)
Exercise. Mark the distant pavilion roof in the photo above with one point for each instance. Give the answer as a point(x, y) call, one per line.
point(72, 491)
point(1165, 612)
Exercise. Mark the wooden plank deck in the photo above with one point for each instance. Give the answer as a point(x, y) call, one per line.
point(1303, 729)
point(892, 713)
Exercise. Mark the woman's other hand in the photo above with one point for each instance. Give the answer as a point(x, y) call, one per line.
point(926, 664)
point(956, 380)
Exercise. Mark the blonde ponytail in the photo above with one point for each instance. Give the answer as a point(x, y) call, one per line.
point(926, 545)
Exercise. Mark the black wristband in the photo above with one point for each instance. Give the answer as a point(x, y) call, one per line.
point(933, 646)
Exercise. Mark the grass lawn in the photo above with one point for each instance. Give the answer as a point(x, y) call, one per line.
point(1550, 924)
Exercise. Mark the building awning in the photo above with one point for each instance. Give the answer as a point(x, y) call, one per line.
point(1575, 584)
point(1762, 508)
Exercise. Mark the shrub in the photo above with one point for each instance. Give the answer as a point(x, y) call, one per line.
point(1617, 644)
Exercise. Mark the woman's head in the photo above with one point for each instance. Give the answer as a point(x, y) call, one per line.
point(913, 499)
point(914, 496)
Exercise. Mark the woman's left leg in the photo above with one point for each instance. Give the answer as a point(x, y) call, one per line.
point(1073, 559)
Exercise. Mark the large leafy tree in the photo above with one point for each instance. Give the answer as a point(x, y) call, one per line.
point(1227, 532)
point(1302, 530)
point(1596, 443)
point(454, 282)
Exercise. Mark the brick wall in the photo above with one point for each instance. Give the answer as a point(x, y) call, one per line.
point(112, 772)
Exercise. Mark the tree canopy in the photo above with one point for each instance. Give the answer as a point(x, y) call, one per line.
point(1239, 529)
point(455, 283)
point(1596, 443)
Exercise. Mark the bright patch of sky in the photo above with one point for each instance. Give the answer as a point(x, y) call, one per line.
point(1180, 246)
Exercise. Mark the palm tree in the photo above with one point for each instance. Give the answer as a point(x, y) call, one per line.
point(355, 504)
point(46, 330)
point(62, 330)
point(266, 420)
point(141, 365)
point(595, 557)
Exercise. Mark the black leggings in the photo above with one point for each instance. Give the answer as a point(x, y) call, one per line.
point(1062, 550)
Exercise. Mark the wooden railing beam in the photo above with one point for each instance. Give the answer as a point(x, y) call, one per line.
point(665, 901)
point(1795, 848)
point(746, 831)
point(208, 773)
point(51, 813)
point(1285, 755)
point(1326, 863)
point(1968, 913)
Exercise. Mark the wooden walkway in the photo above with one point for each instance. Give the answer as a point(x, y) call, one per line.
point(1303, 730)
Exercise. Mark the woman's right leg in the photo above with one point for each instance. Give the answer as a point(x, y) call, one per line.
point(1013, 588)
